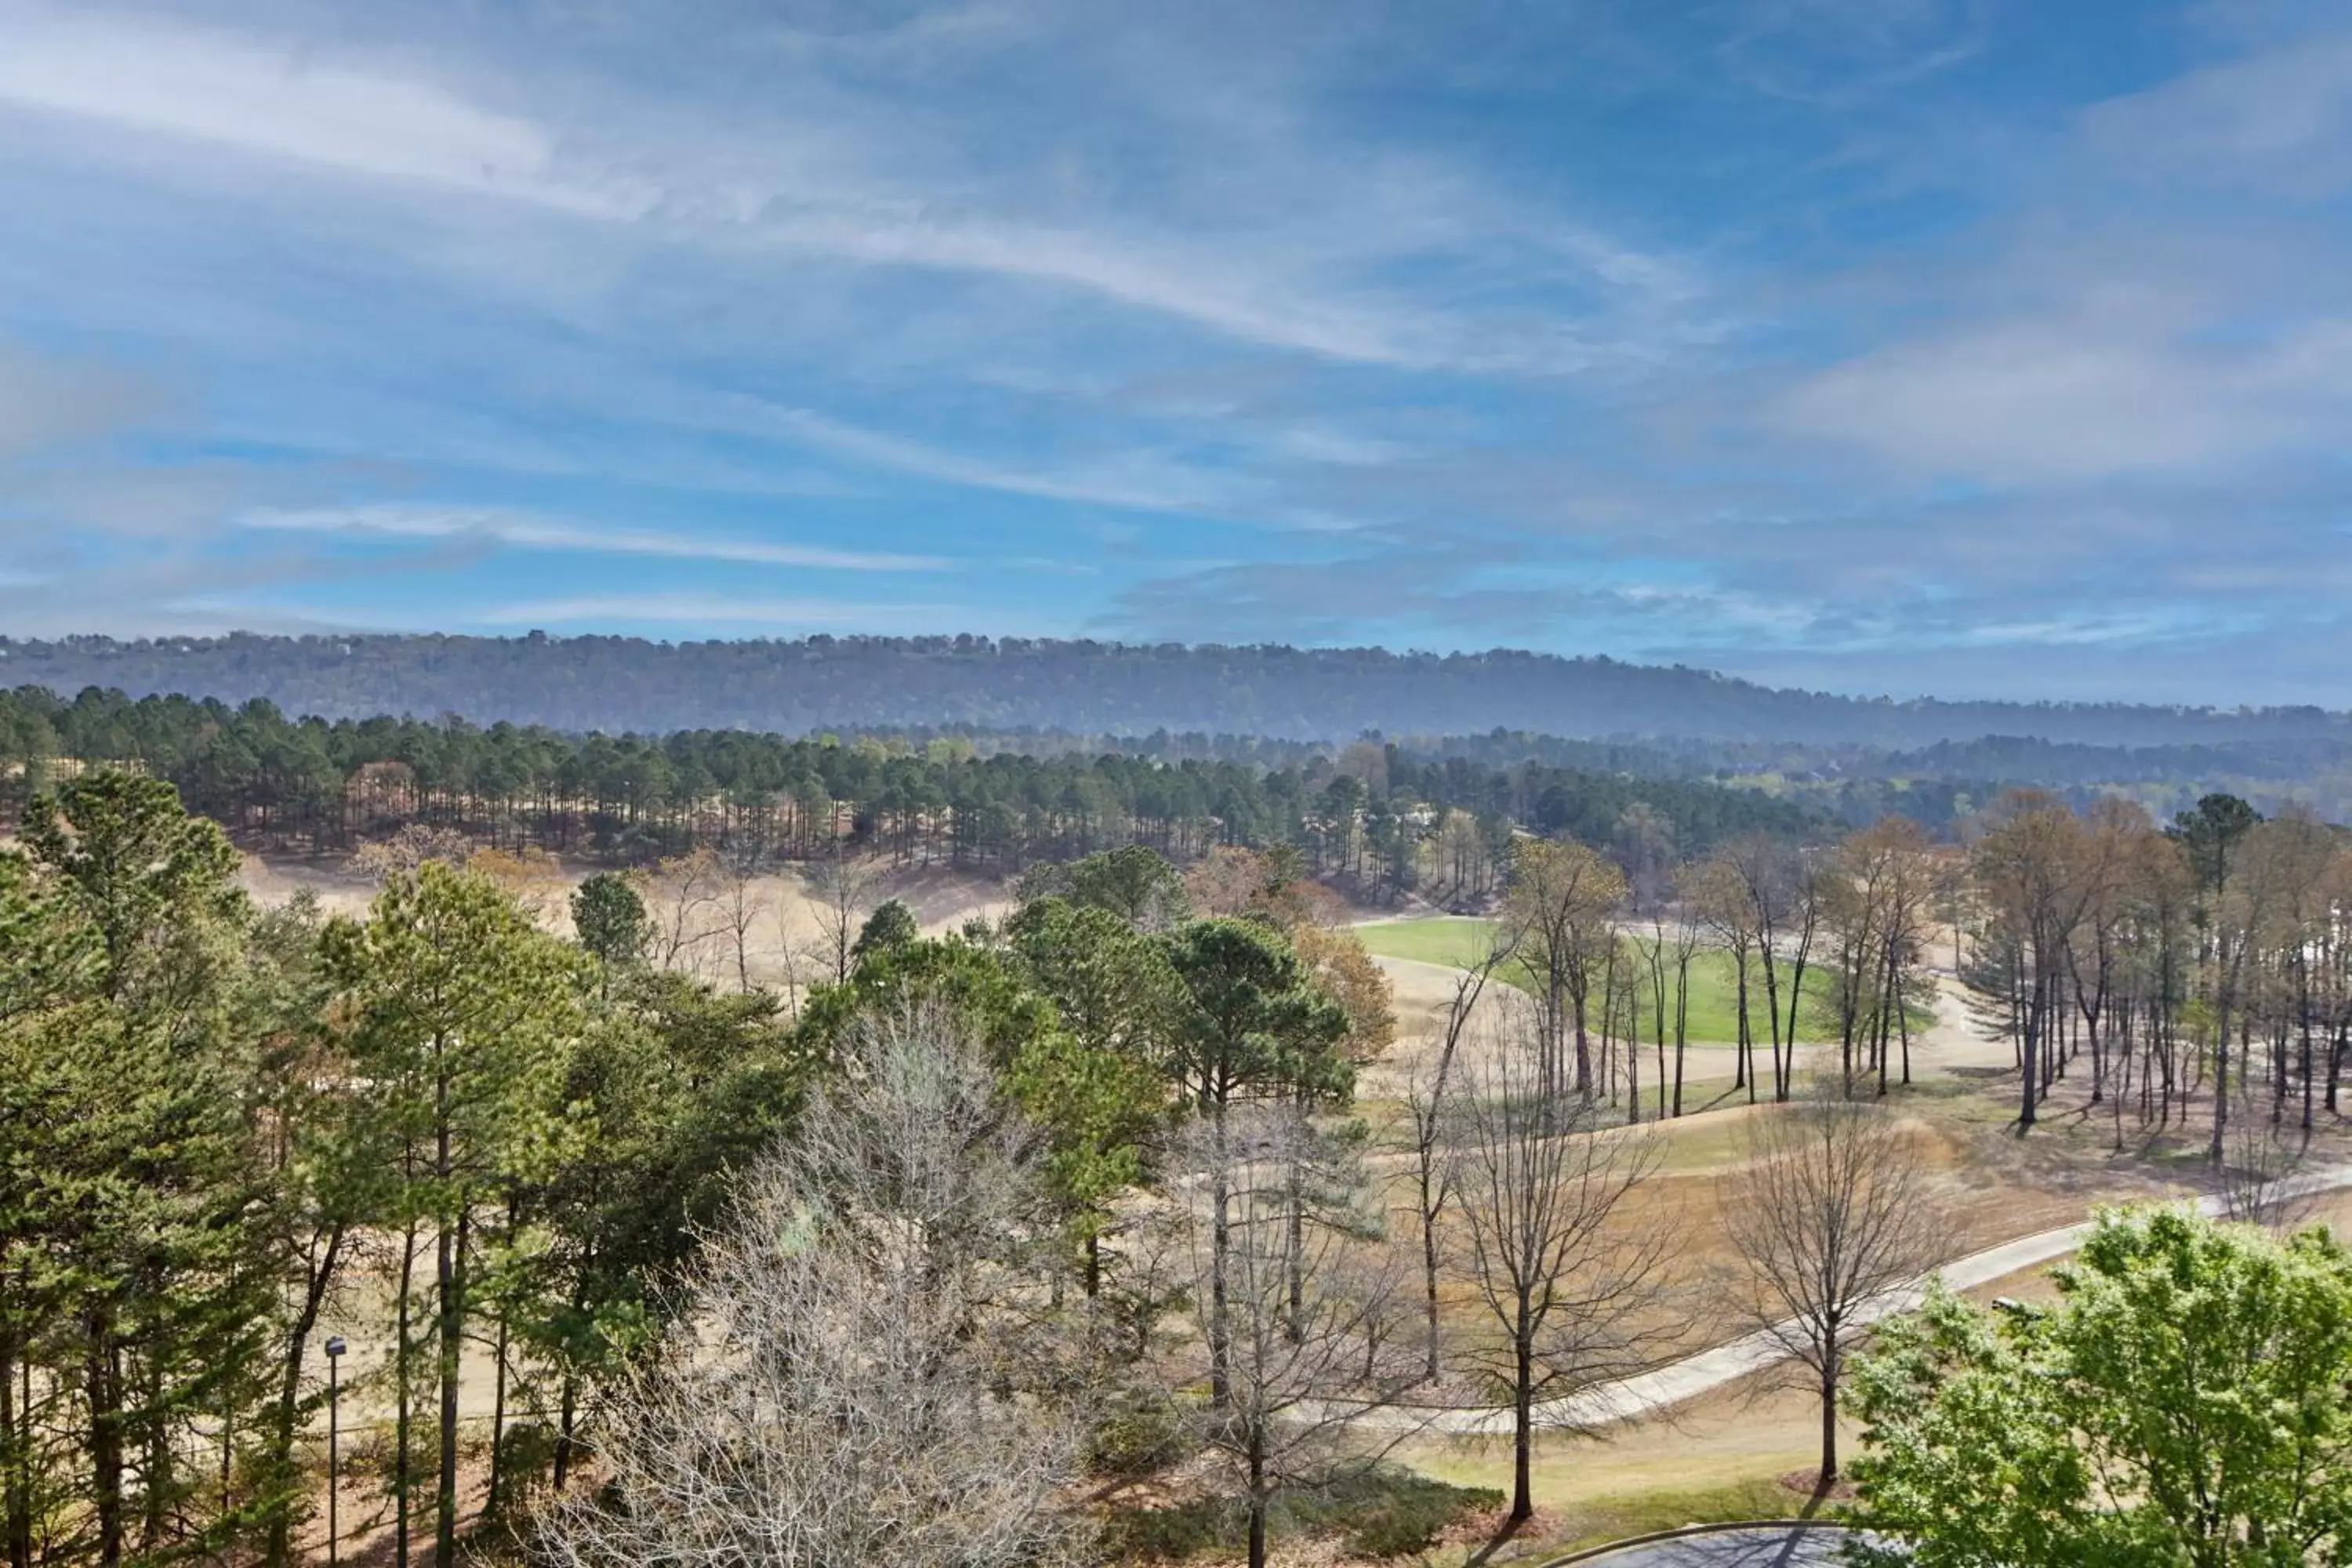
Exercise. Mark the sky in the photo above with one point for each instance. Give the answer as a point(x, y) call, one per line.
point(1968, 347)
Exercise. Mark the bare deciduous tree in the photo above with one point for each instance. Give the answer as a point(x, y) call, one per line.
point(840, 886)
point(1828, 1215)
point(740, 903)
point(1570, 1283)
point(858, 1379)
point(381, 860)
point(1429, 1084)
point(2259, 1180)
point(1316, 1322)
point(682, 897)
point(1562, 898)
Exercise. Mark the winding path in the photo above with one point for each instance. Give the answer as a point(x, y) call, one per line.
point(1709, 1369)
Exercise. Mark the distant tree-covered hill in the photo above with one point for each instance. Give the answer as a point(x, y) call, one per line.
point(625, 684)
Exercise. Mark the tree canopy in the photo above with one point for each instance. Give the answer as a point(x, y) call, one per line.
point(2187, 1399)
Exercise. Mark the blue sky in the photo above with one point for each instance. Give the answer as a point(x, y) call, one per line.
point(1993, 347)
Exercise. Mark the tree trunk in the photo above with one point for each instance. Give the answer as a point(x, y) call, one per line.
point(15, 1470)
point(103, 1377)
point(404, 1352)
point(1257, 1503)
point(284, 1479)
point(1682, 1030)
point(567, 1414)
point(1523, 1435)
point(1221, 1387)
point(1742, 1075)
point(2220, 1082)
point(1829, 1429)
point(1429, 1267)
point(449, 1262)
point(496, 1496)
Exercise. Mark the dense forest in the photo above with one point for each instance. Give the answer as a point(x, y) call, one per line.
point(1373, 812)
point(617, 684)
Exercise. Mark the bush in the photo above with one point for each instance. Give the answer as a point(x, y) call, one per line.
point(1173, 1533)
point(1387, 1510)
point(1139, 1433)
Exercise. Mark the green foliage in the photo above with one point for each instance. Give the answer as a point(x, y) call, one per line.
point(977, 985)
point(135, 1263)
point(609, 919)
point(1137, 1431)
point(2187, 1400)
point(204, 1112)
point(462, 1016)
point(1383, 1511)
point(2210, 832)
point(150, 880)
point(1248, 1019)
point(1133, 882)
point(1033, 798)
point(890, 927)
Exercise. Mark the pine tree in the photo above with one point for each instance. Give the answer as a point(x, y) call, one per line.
point(462, 1015)
point(150, 1187)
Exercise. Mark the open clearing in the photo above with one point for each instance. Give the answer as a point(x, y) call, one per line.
point(785, 920)
point(1454, 942)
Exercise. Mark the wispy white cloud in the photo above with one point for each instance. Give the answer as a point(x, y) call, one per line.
point(2150, 308)
point(2108, 387)
point(149, 74)
point(1140, 481)
point(1568, 358)
point(1289, 281)
point(523, 530)
point(2279, 119)
point(1839, 52)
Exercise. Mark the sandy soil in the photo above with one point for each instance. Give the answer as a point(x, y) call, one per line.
point(785, 919)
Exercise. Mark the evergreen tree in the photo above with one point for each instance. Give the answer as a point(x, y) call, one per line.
point(609, 918)
point(151, 1238)
point(463, 1015)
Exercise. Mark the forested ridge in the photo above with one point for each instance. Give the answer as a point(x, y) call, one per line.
point(617, 684)
point(1376, 811)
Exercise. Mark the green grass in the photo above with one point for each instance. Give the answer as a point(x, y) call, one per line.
point(1714, 981)
point(1387, 1511)
point(1583, 1522)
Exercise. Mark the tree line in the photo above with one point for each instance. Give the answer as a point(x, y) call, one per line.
point(2151, 966)
point(1372, 812)
point(612, 683)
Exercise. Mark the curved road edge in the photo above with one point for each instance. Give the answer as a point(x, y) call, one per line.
point(1684, 1380)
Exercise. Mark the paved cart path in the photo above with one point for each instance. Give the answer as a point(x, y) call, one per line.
point(1709, 1369)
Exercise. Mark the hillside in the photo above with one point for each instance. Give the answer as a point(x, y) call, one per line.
point(617, 684)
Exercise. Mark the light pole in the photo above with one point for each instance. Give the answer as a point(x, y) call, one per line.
point(335, 1348)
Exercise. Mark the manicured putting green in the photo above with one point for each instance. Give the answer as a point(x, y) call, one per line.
point(1714, 993)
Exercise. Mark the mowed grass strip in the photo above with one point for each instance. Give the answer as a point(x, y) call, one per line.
point(1458, 942)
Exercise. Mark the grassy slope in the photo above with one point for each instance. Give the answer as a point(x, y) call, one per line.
point(1453, 942)
point(1714, 998)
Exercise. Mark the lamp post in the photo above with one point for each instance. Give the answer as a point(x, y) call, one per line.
point(335, 1348)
